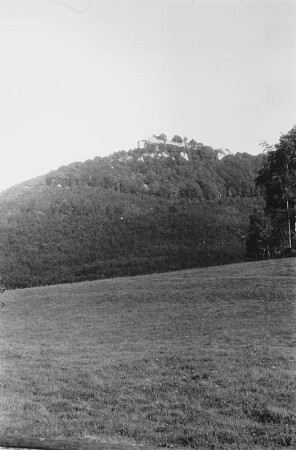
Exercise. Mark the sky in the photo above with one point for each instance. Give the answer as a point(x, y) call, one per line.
point(86, 78)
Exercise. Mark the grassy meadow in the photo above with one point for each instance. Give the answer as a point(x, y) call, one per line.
point(201, 358)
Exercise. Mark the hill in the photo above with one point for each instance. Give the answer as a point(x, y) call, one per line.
point(202, 358)
point(152, 209)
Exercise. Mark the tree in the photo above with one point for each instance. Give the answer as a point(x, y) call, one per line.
point(177, 139)
point(259, 237)
point(192, 143)
point(278, 178)
point(162, 137)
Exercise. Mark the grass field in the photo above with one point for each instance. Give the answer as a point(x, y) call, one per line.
point(200, 358)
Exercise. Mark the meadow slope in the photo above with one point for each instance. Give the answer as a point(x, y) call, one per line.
point(201, 358)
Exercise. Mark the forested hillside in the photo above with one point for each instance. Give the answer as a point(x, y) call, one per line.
point(159, 208)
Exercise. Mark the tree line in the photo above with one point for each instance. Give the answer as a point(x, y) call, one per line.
point(195, 172)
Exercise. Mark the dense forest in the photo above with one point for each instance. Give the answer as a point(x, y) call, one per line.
point(157, 208)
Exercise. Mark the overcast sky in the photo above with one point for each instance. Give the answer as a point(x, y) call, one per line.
point(84, 78)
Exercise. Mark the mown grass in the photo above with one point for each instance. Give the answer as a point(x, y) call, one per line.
point(200, 358)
